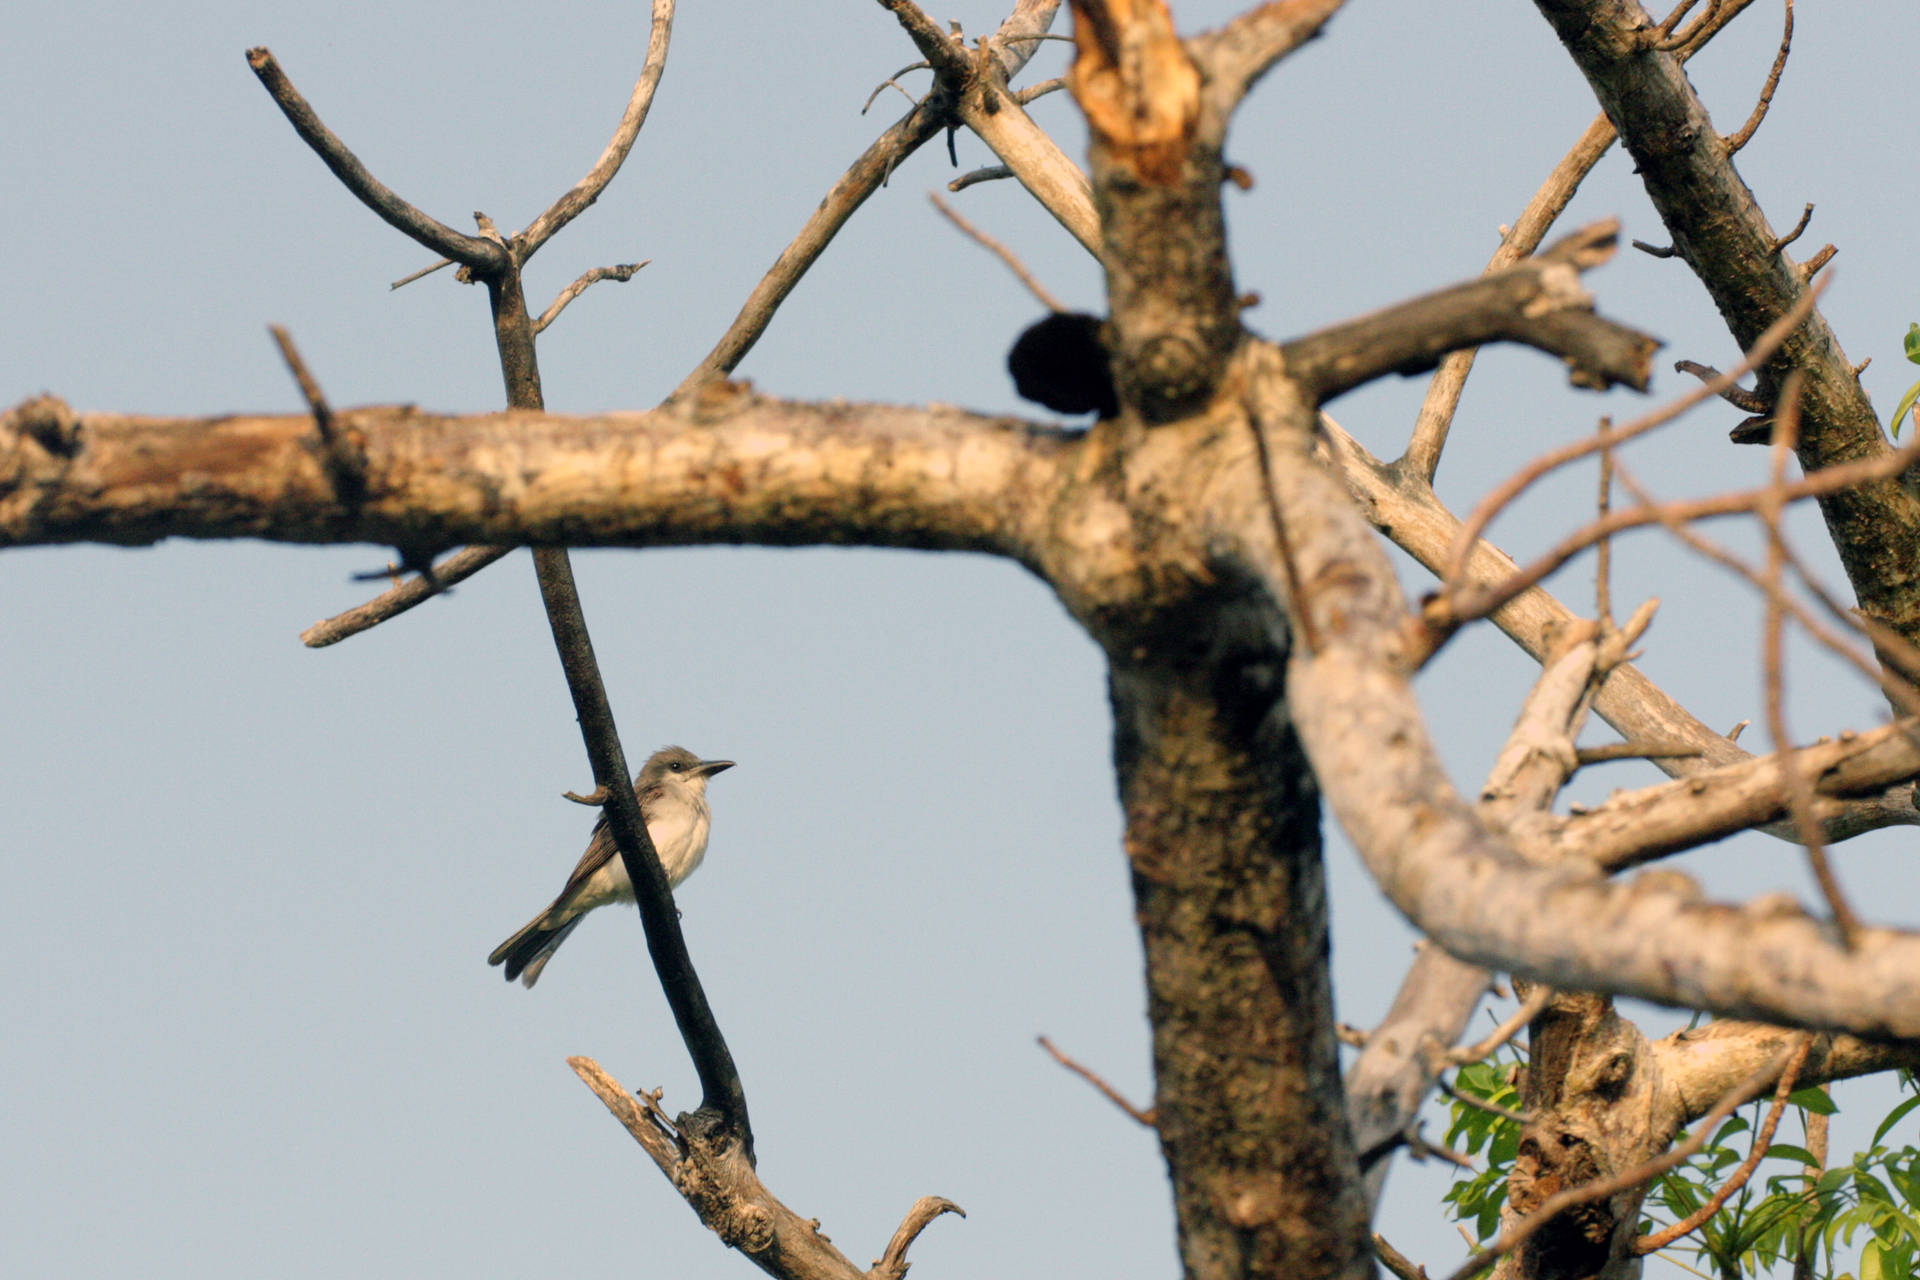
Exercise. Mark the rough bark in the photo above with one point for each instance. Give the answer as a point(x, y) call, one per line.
point(1223, 840)
point(1720, 232)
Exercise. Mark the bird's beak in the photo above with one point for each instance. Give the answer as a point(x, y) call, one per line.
point(707, 768)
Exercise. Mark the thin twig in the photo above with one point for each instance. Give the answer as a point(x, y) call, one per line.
point(1903, 693)
point(1395, 1261)
point(1744, 134)
point(1480, 1104)
point(1529, 1009)
point(1737, 396)
point(421, 274)
point(346, 466)
point(1000, 251)
point(458, 567)
point(1799, 229)
point(1519, 1232)
point(622, 273)
point(990, 173)
point(1786, 434)
point(894, 81)
point(864, 178)
point(892, 1264)
point(1529, 230)
point(1034, 92)
point(1491, 505)
point(1451, 609)
point(1810, 268)
point(1106, 1090)
point(1665, 39)
point(1603, 569)
point(588, 189)
point(1761, 1141)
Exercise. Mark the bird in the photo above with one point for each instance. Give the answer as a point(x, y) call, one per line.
point(672, 788)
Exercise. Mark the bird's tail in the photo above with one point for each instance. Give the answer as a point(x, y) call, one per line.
point(526, 953)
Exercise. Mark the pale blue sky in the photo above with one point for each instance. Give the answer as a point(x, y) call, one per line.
point(250, 888)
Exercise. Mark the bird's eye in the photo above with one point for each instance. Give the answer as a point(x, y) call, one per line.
point(676, 766)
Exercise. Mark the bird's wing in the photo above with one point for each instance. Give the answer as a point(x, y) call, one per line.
point(600, 850)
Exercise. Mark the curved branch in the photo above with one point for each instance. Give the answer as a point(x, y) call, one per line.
point(484, 257)
point(1238, 54)
point(893, 1263)
point(1473, 893)
point(588, 189)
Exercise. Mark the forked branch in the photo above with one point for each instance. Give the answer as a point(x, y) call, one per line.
point(730, 1199)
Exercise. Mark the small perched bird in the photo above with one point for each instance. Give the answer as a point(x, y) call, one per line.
point(672, 787)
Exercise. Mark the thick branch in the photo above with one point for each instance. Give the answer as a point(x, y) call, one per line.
point(1157, 173)
point(1698, 1065)
point(1236, 55)
point(1538, 302)
point(731, 468)
point(1639, 826)
point(485, 257)
point(1468, 890)
point(1405, 508)
point(1718, 228)
point(723, 1189)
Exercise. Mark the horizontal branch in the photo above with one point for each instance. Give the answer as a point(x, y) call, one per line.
point(730, 467)
point(1699, 1064)
point(1538, 302)
point(1639, 826)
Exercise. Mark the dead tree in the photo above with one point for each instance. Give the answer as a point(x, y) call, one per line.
point(1216, 535)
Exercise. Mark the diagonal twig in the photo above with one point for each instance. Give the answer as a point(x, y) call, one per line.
point(622, 273)
point(1107, 1091)
point(1000, 251)
point(1519, 1232)
point(483, 256)
point(1744, 134)
point(1761, 1141)
point(1799, 789)
point(588, 189)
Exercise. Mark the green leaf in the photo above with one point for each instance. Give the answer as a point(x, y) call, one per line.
point(1906, 403)
point(1871, 1188)
point(1899, 1113)
point(1814, 1098)
point(1870, 1261)
point(1787, 1151)
point(1913, 343)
